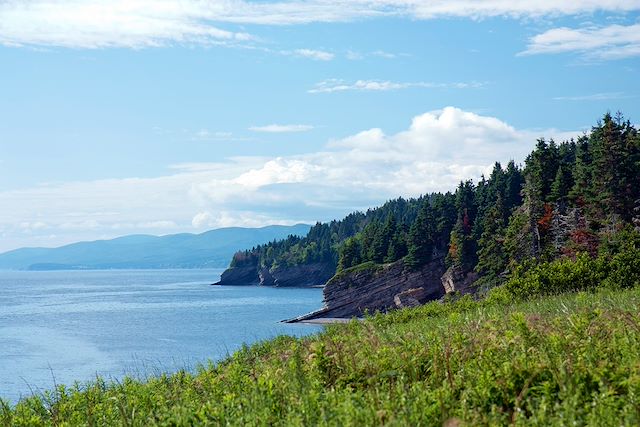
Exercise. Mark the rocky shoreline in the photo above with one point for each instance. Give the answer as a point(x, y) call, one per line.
point(371, 288)
point(304, 276)
point(366, 288)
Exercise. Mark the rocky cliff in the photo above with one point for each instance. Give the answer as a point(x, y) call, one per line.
point(239, 276)
point(457, 280)
point(370, 287)
point(304, 275)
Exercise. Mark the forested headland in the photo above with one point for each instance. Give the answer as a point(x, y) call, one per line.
point(574, 197)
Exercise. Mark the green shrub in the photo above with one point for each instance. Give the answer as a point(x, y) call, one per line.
point(618, 270)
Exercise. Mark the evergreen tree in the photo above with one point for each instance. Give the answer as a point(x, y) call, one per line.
point(561, 184)
point(421, 235)
point(513, 187)
point(580, 194)
point(397, 248)
point(349, 254)
point(492, 259)
point(462, 249)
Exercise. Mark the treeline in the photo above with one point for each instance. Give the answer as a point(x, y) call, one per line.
point(323, 241)
point(568, 198)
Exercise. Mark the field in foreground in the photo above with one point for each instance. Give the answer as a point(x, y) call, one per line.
point(572, 359)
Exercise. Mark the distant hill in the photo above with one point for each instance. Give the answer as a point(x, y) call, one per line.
point(212, 249)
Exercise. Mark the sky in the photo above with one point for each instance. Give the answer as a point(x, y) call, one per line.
point(167, 116)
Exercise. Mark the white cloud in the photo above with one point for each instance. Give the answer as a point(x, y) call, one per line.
point(383, 54)
point(604, 96)
point(318, 55)
point(109, 23)
point(276, 128)
point(33, 226)
point(356, 56)
point(434, 153)
point(203, 135)
point(220, 219)
point(516, 8)
point(338, 85)
point(145, 23)
point(596, 43)
point(157, 225)
point(202, 219)
point(278, 171)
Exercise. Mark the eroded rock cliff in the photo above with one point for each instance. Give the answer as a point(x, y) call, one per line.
point(304, 275)
point(239, 276)
point(372, 288)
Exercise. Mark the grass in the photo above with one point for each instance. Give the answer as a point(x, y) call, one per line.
point(572, 359)
point(369, 267)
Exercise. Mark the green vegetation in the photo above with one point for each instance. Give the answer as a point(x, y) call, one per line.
point(569, 198)
point(568, 359)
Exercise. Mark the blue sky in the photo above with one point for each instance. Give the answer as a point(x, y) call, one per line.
point(179, 116)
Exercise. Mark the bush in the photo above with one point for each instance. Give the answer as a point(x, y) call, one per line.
point(617, 270)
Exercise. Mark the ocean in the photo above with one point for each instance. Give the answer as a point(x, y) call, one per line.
point(64, 326)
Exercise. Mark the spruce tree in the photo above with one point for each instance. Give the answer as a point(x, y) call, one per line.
point(421, 234)
point(492, 259)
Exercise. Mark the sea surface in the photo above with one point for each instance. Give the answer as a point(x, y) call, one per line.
point(65, 326)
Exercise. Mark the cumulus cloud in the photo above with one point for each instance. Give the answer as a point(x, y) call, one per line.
point(338, 85)
point(145, 23)
point(275, 128)
point(437, 150)
point(597, 43)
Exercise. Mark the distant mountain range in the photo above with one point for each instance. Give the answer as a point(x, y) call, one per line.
point(212, 249)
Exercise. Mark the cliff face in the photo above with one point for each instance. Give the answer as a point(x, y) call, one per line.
point(380, 288)
point(239, 276)
point(305, 275)
point(457, 280)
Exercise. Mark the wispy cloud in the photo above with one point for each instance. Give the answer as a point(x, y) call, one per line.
point(276, 128)
point(605, 96)
point(593, 43)
point(318, 55)
point(356, 56)
point(206, 135)
point(109, 23)
point(147, 23)
point(337, 85)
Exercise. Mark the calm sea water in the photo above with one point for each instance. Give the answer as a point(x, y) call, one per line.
point(66, 326)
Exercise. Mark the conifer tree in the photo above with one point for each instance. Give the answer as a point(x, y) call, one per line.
point(492, 259)
point(421, 234)
point(513, 187)
point(462, 249)
point(561, 184)
point(349, 254)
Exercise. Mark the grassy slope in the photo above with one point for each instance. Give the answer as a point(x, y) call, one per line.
point(560, 360)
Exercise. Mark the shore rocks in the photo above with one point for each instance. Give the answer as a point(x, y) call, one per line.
point(410, 298)
point(239, 276)
point(305, 275)
point(371, 288)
